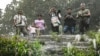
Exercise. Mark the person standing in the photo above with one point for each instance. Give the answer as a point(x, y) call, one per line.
point(69, 22)
point(20, 22)
point(60, 19)
point(32, 30)
point(84, 18)
point(55, 22)
point(40, 24)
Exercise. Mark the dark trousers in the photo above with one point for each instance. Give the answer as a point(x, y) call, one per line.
point(69, 28)
point(55, 29)
point(21, 29)
point(83, 26)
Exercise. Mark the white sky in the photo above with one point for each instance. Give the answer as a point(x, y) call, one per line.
point(3, 3)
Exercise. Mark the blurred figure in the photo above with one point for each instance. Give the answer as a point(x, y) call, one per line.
point(59, 14)
point(84, 16)
point(53, 12)
point(40, 24)
point(69, 22)
point(20, 22)
point(60, 19)
point(55, 24)
point(32, 30)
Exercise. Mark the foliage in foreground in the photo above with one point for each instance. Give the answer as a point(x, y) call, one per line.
point(78, 52)
point(19, 47)
point(16, 46)
point(95, 35)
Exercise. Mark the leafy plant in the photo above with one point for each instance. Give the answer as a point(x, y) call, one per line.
point(16, 46)
point(77, 52)
point(95, 35)
point(91, 34)
point(55, 37)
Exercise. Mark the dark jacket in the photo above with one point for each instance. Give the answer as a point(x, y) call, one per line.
point(69, 20)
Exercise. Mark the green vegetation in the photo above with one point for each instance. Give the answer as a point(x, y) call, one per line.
point(95, 35)
point(77, 52)
point(15, 46)
point(55, 37)
point(33, 7)
point(19, 47)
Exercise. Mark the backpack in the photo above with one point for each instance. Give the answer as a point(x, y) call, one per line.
point(55, 21)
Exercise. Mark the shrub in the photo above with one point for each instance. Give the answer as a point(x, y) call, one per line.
point(95, 35)
point(16, 46)
point(77, 52)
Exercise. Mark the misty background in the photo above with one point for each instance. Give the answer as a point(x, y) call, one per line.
point(33, 7)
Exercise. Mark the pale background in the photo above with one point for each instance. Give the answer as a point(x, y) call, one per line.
point(3, 4)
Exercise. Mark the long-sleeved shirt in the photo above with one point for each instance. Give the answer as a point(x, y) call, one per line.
point(69, 20)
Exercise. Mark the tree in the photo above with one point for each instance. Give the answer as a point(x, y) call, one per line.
point(33, 7)
point(0, 13)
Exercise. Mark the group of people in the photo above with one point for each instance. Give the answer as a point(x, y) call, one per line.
point(39, 25)
point(82, 19)
point(36, 27)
